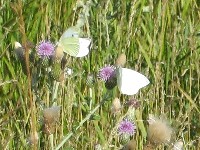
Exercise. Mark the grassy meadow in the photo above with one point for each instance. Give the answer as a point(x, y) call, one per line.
point(161, 40)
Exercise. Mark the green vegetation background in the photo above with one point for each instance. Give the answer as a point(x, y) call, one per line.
point(161, 39)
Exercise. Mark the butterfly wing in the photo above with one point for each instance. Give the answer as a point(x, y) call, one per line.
point(130, 81)
point(71, 32)
point(70, 45)
point(84, 44)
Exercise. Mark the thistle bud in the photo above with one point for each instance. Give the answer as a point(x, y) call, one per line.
point(159, 131)
point(19, 51)
point(33, 139)
point(58, 55)
point(51, 116)
point(131, 145)
point(116, 106)
point(178, 146)
point(121, 60)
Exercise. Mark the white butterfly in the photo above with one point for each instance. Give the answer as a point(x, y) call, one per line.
point(129, 81)
point(71, 44)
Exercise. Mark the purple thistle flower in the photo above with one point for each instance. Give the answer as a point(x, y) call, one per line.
point(107, 73)
point(126, 127)
point(45, 49)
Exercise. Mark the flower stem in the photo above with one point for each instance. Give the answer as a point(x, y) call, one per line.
point(18, 7)
point(82, 122)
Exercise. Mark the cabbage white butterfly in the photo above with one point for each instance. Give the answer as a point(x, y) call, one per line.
point(130, 81)
point(71, 44)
